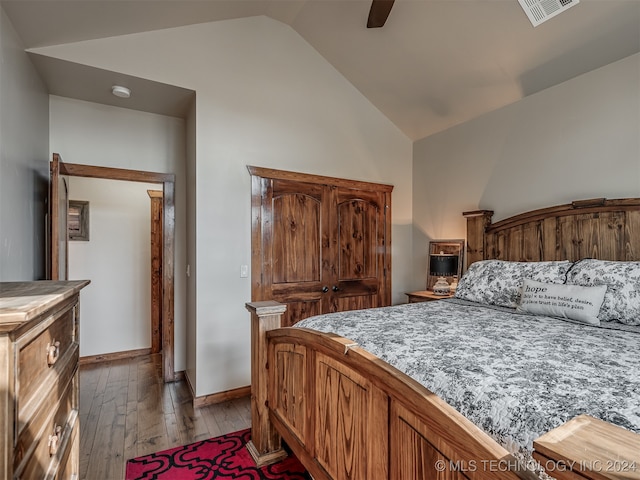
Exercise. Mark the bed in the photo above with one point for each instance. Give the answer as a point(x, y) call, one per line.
point(422, 390)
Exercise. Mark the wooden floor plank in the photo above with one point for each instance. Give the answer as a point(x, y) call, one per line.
point(212, 423)
point(131, 421)
point(191, 424)
point(90, 380)
point(173, 433)
point(126, 410)
point(110, 434)
point(130, 449)
point(89, 421)
point(227, 416)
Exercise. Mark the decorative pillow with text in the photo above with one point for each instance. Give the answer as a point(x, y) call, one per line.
point(563, 301)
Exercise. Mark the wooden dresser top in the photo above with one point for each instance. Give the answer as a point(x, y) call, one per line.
point(23, 301)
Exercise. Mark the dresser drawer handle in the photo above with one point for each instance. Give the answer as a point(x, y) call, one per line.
point(54, 440)
point(53, 350)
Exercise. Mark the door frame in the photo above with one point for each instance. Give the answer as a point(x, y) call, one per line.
point(54, 227)
point(167, 180)
point(155, 197)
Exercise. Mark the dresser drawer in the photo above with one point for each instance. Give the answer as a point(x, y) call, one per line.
point(40, 357)
point(69, 463)
point(63, 393)
point(44, 443)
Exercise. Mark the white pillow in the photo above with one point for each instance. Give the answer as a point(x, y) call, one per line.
point(564, 301)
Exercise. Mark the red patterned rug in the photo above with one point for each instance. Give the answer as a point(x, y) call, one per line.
point(221, 458)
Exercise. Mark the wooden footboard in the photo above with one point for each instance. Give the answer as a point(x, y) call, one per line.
point(348, 415)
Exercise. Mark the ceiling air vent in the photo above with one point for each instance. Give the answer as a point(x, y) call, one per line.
point(540, 11)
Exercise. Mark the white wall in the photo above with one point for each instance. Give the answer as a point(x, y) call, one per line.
point(576, 140)
point(117, 260)
point(92, 134)
point(265, 97)
point(24, 161)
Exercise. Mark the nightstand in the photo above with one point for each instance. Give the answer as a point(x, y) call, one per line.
point(588, 448)
point(425, 296)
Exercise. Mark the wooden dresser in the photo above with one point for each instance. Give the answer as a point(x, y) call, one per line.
point(39, 380)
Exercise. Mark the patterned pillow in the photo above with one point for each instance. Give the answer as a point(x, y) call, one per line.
point(622, 300)
point(498, 282)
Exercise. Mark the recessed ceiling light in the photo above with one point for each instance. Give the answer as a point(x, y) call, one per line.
point(122, 92)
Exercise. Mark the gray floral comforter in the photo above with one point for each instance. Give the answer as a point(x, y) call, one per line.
point(514, 375)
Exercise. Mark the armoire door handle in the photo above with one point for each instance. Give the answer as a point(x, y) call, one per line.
point(325, 289)
point(335, 288)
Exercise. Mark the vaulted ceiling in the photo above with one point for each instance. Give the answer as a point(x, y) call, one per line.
point(435, 63)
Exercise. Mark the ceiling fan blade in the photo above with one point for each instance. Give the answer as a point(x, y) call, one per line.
point(379, 12)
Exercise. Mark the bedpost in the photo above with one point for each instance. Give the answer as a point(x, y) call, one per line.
point(265, 447)
point(477, 222)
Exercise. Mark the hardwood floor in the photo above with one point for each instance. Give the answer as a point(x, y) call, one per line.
point(127, 411)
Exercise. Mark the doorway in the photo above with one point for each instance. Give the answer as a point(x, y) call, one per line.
point(58, 253)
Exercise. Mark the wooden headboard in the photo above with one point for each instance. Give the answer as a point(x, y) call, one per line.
point(597, 228)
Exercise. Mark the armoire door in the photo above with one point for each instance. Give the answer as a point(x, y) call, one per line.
point(359, 244)
point(319, 244)
point(294, 243)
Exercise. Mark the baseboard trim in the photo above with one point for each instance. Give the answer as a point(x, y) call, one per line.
point(220, 397)
point(191, 389)
point(106, 357)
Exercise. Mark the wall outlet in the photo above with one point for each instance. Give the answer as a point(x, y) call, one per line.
point(244, 271)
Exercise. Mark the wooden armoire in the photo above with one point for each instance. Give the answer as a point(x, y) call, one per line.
point(319, 244)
